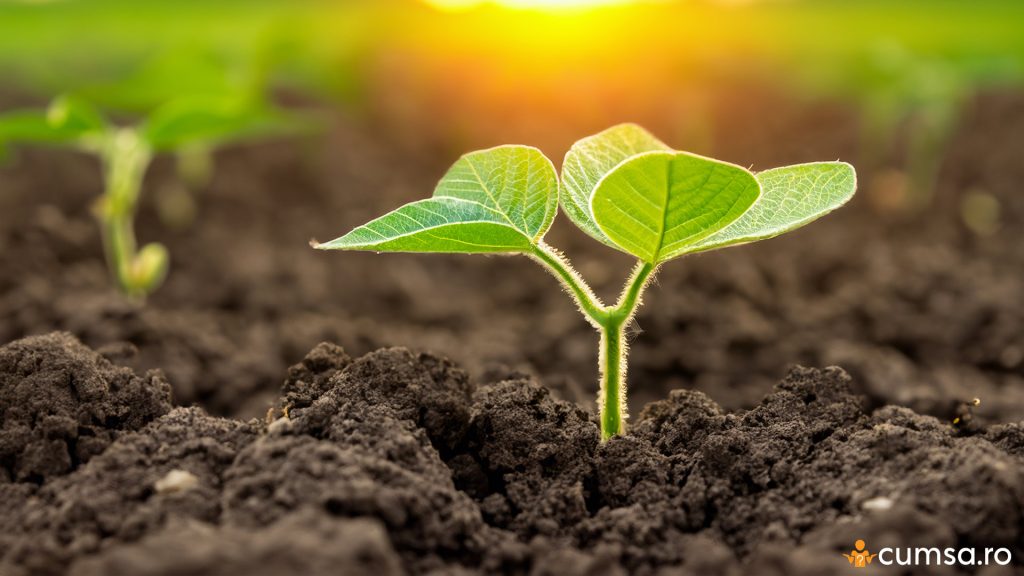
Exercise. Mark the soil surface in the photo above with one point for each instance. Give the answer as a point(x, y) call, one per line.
point(134, 441)
point(398, 463)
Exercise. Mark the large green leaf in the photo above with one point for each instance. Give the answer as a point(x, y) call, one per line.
point(658, 204)
point(498, 200)
point(589, 160)
point(791, 197)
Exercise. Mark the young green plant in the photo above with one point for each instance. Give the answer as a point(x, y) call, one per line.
point(125, 153)
point(623, 187)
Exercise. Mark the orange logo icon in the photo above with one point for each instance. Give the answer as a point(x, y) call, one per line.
point(859, 558)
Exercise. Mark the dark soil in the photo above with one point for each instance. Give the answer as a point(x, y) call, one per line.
point(397, 463)
point(63, 404)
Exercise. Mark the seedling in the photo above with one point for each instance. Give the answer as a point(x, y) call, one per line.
point(624, 188)
point(125, 153)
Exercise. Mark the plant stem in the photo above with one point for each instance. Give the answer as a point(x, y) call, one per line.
point(125, 159)
point(588, 302)
point(610, 322)
point(611, 398)
point(614, 347)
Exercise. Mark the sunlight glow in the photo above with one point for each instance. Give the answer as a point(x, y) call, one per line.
point(546, 5)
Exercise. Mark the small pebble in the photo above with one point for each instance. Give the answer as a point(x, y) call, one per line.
point(279, 426)
point(176, 481)
point(877, 504)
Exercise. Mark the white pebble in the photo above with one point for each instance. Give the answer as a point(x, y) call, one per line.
point(279, 426)
point(877, 504)
point(176, 481)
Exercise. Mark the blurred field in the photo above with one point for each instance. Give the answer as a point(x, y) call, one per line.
point(463, 73)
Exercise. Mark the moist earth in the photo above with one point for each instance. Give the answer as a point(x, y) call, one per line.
point(398, 463)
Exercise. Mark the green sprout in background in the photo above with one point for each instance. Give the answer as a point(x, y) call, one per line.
point(624, 188)
point(894, 89)
point(125, 153)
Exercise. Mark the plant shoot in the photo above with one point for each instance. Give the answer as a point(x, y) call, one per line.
point(125, 152)
point(626, 189)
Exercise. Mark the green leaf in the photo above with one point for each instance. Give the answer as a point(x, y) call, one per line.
point(498, 200)
point(791, 197)
point(73, 114)
point(190, 71)
point(656, 205)
point(30, 126)
point(589, 160)
point(212, 121)
point(68, 120)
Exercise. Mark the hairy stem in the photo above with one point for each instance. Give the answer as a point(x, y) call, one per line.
point(614, 348)
point(611, 322)
point(611, 398)
point(588, 302)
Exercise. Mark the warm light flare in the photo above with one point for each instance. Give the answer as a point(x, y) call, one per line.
point(553, 5)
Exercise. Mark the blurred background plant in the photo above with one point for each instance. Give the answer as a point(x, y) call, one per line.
point(182, 103)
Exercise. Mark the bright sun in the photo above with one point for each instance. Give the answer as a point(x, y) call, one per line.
point(459, 5)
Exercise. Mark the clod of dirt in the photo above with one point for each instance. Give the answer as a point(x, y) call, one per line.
point(309, 379)
point(424, 389)
point(1008, 437)
point(680, 424)
point(537, 453)
point(61, 404)
point(377, 431)
point(305, 542)
point(358, 452)
point(114, 497)
point(628, 470)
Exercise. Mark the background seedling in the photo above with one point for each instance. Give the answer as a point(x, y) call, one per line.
point(896, 90)
point(125, 153)
point(623, 187)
